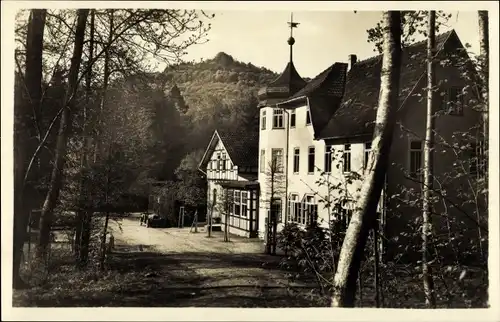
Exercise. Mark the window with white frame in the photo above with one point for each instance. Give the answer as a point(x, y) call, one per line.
point(308, 117)
point(228, 200)
point(310, 160)
point(262, 161)
point(453, 101)
point(310, 209)
point(293, 208)
point(277, 160)
point(263, 121)
point(224, 161)
point(367, 153)
point(237, 203)
point(346, 158)
point(328, 158)
point(293, 118)
point(302, 212)
point(276, 208)
point(244, 203)
point(416, 159)
point(278, 118)
point(296, 160)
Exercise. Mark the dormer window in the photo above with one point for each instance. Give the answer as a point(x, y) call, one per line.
point(308, 117)
point(278, 119)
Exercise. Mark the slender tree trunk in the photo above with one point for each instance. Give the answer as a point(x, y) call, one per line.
point(102, 259)
point(355, 240)
point(84, 215)
point(428, 169)
point(33, 79)
point(360, 287)
point(484, 51)
point(107, 205)
point(226, 219)
point(105, 79)
point(62, 136)
point(376, 266)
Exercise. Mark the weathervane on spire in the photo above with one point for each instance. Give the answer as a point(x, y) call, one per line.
point(292, 25)
point(291, 40)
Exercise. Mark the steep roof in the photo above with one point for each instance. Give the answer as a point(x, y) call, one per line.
point(329, 82)
point(285, 85)
point(323, 93)
point(241, 144)
point(357, 111)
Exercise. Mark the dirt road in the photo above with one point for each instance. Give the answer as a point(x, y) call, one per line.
point(179, 268)
point(181, 240)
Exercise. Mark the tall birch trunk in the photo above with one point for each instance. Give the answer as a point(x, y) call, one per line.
point(428, 169)
point(376, 266)
point(33, 78)
point(363, 217)
point(62, 137)
point(484, 52)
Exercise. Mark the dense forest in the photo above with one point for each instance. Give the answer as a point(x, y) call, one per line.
point(170, 115)
point(97, 125)
point(220, 92)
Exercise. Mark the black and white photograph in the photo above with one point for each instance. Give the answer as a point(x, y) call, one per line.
point(191, 155)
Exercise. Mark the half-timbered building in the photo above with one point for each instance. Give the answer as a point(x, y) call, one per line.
point(230, 166)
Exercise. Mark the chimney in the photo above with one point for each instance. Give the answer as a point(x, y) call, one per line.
point(351, 60)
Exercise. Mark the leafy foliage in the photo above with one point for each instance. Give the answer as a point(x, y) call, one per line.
point(219, 93)
point(413, 23)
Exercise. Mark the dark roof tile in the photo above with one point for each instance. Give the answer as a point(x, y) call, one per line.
point(357, 110)
point(329, 82)
point(285, 85)
point(324, 93)
point(242, 145)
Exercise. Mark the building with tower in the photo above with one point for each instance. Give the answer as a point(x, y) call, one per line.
point(314, 140)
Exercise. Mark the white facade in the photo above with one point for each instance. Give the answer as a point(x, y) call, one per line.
point(272, 139)
point(304, 186)
point(306, 180)
point(225, 185)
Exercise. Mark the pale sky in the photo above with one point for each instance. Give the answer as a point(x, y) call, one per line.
point(322, 38)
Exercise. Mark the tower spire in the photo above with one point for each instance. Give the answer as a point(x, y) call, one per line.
point(291, 40)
